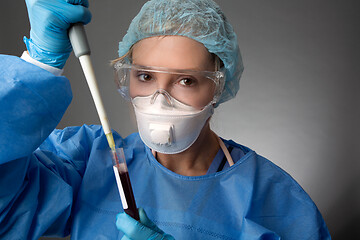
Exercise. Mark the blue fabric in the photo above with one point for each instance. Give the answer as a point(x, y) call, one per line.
point(57, 182)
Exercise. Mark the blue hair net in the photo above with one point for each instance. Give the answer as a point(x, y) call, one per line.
point(201, 20)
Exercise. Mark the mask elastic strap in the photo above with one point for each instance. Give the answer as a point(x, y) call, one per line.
point(226, 151)
point(153, 153)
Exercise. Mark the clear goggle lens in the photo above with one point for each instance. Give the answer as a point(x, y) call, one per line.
point(187, 86)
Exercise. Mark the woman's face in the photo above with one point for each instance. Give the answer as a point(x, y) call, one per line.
point(185, 57)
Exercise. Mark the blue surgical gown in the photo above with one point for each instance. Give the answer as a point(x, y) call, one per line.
point(60, 182)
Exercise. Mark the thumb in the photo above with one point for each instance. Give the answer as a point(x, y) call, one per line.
point(147, 222)
point(133, 229)
point(84, 3)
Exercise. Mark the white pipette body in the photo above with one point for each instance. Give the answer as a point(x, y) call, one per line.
point(81, 49)
point(88, 70)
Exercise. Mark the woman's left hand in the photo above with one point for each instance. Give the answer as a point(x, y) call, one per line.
point(145, 229)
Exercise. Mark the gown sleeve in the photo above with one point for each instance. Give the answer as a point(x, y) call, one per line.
point(40, 168)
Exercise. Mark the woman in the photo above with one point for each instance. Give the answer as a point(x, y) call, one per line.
point(178, 61)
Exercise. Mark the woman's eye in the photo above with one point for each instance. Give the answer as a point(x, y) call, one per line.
point(144, 77)
point(187, 82)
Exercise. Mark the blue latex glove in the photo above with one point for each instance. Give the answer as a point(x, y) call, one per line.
point(143, 230)
point(49, 20)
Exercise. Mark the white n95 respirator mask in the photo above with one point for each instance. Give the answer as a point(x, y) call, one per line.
point(166, 125)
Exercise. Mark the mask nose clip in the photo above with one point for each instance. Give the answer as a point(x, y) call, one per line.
point(165, 94)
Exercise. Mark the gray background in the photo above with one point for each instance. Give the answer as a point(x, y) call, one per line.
point(299, 101)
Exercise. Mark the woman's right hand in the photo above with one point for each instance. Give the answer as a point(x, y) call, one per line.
point(144, 229)
point(50, 20)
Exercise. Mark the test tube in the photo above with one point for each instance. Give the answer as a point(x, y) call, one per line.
point(123, 183)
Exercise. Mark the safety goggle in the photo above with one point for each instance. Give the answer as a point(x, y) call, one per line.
point(184, 85)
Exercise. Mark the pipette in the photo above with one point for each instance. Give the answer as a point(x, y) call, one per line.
point(82, 51)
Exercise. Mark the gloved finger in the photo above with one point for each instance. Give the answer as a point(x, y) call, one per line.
point(63, 14)
point(134, 229)
point(147, 222)
point(84, 3)
point(77, 13)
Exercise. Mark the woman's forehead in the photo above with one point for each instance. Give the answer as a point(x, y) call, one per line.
point(176, 52)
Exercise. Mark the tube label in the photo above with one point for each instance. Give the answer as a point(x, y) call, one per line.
point(121, 190)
